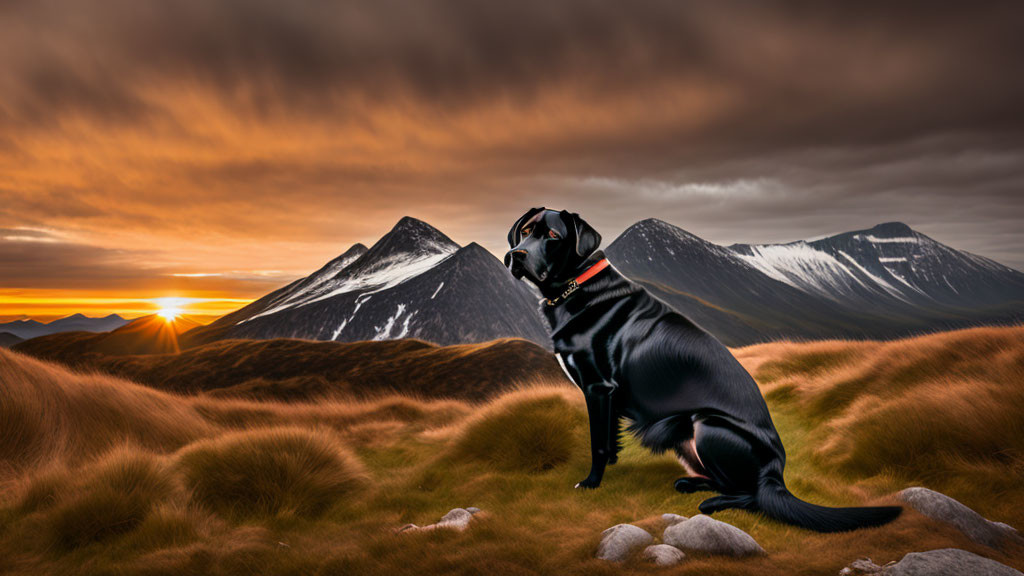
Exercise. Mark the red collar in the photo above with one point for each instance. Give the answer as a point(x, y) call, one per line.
point(575, 282)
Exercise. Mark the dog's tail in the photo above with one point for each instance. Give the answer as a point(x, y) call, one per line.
point(776, 501)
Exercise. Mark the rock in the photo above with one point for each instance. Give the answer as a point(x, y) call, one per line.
point(860, 566)
point(945, 509)
point(472, 509)
point(948, 562)
point(457, 518)
point(619, 540)
point(664, 555)
point(705, 534)
point(670, 519)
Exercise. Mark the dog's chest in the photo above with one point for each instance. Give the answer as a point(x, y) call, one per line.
point(580, 368)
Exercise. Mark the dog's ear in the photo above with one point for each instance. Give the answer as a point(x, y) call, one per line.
point(514, 237)
point(587, 239)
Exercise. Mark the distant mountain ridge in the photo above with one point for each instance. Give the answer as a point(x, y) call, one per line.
point(26, 329)
point(414, 282)
point(883, 282)
point(7, 340)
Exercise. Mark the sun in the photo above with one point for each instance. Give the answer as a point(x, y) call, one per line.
point(169, 314)
point(170, 308)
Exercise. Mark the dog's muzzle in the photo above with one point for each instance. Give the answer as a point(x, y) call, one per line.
point(514, 262)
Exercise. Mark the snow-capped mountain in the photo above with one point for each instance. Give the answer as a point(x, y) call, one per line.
point(883, 282)
point(888, 261)
point(414, 282)
point(26, 329)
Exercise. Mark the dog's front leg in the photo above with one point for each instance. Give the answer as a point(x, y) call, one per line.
point(603, 422)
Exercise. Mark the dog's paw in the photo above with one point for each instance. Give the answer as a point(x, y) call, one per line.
point(613, 459)
point(588, 482)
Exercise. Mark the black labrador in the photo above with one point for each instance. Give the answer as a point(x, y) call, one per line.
point(635, 357)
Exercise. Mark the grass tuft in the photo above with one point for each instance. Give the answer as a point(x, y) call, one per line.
point(525, 431)
point(272, 471)
point(112, 497)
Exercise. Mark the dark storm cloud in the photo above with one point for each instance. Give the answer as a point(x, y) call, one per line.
point(304, 125)
point(799, 73)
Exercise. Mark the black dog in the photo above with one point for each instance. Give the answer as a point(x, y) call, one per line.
point(635, 357)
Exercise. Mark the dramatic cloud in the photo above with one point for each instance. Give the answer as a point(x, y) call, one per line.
point(257, 135)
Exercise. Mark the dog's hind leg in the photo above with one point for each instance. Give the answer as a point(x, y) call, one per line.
point(696, 480)
point(729, 460)
point(724, 502)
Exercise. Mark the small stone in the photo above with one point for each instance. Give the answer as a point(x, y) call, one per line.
point(619, 540)
point(948, 562)
point(408, 528)
point(664, 555)
point(457, 518)
point(860, 566)
point(938, 506)
point(472, 509)
point(672, 519)
point(705, 534)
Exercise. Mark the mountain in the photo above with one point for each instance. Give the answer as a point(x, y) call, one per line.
point(7, 339)
point(414, 282)
point(884, 282)
point(26, 329)
point(150, 334)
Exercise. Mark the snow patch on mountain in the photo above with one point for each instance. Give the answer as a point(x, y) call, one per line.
point(385, 274)
point(877, 279)
point(798, 265)
point(385, 332)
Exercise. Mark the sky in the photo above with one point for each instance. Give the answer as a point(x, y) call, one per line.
point(218, 149)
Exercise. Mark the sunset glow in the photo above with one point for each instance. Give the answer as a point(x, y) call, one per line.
point(144, 154)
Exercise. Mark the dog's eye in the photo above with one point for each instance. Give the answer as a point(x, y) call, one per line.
point(552, 234)
point(527, 230)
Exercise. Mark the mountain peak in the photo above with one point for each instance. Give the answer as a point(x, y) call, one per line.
point(416, 227)
point(892, 230)
point(411, 235)
point(657, 226)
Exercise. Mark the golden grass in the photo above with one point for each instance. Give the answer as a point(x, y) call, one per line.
point(101, 476)
point(530, 431)
point(942, 410)
point(271, 471)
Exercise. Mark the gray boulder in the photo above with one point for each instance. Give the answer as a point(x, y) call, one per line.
point(664, 555)
point(705, 534)
point(619, 540)
point(940, 507)
point(942, 562)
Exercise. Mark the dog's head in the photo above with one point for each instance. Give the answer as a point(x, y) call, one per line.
point(547, 246)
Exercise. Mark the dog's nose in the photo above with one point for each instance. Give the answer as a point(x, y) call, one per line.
point(514, 255)
point(514, 262)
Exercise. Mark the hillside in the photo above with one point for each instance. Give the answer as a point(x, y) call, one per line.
point(102, 476)
point(289, 369)
point(7, 340)
point(150, 334)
